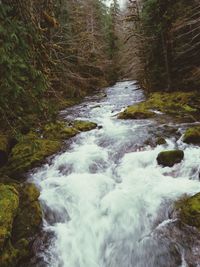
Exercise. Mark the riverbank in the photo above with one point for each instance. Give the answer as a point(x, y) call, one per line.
point(21, 213)
point(178, 108)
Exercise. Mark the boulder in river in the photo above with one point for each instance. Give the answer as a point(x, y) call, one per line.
point(192, 135)
point(188, 209)
point(160, 141)
point(170, 158)
point(84, 126)
point(136, 112)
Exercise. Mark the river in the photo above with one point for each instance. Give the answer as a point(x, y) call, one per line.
point(104, 197)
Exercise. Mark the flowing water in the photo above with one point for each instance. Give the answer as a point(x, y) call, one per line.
point(105, 199)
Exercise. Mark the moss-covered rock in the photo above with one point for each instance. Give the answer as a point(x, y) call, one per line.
point(9, 202)
point(160, 141)
point(84, 125)
point(20, 220)
point(139, 111)
point(29, 152)
point(170, 158)
point(29, 216)
point(192, 135)
point(188, 209)
point(179, 104)
point(58, 131)
point(4, 143)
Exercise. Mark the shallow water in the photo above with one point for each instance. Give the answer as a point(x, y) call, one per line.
point(105, 199)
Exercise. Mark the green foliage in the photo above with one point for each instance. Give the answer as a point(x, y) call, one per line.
point(22, 82)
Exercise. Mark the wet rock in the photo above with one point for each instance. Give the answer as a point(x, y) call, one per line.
point(30, 152)
point(192, 135)
point(170, 158)
point(84, 126)
point(188, 210)
point(184, 238)
point(136, 112)
point(59, 130)
point(160, 141)
point(96, 106)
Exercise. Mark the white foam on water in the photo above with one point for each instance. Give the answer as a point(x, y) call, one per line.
point(106, 199)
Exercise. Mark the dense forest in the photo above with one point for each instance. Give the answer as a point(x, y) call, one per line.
point(53, 50)
point(165, 37)
point(56, 53)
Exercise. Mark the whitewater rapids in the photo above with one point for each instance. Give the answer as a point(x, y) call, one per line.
point(104, 197)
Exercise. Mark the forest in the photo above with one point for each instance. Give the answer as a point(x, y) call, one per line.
point(54, 56)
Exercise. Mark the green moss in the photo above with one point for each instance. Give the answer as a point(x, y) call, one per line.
point(22, 215)
point(68, 102)
point(175, 103)
point(9, 202)
point(10, 255)
point(29, 216)
point(29, 152)
point(189, 210)
point(58, 131)
point(84, 125)
point(192, 135)
point(170, 158)
point(139, 111)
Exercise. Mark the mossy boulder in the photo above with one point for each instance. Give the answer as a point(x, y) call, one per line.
point(29, 216)
point(188, 209)
point(139, 111)
point(192, 135)
point(170, 158)
point(59, 131)
point(20, 220)
point(84, 125)
point(4, 145)
point(182, 105)
point(9, 202)
point(29, 152)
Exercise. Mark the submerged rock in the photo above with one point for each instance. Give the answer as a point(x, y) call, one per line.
point(192, 135)
point(170, 158)
point(160, 141)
